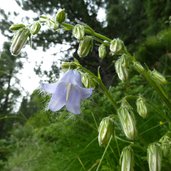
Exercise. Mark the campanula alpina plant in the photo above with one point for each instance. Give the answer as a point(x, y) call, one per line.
point(67, 91)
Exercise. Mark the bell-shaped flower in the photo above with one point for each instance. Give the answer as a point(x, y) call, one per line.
point(68, 91)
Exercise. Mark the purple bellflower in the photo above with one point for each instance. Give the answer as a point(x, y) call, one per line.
point(67, 91)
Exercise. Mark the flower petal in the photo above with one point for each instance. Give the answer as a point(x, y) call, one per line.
point(86, 92)
point(73, 103)
point(49, 88)
point(58, 99)
point(71, 76)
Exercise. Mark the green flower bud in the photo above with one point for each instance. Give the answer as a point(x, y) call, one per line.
point(117, 46)
point(141, 107)
point(78, 31)
point(154, 157)
point(88, 81)
point(85, 46)
point(102, 51)
point(15, 27)
point(35, 28)
point(127, 120)
point(157, 77)
point(121, 67)
point(138, 66)
point(69, 65)
point(127, 159)
point(60, 16)
point(19, 40)
point(166, 145)
point(106, 131)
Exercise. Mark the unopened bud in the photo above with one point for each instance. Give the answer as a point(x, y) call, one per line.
point(141, 107)
point(88, 81)
point(117, 46)
point(127, 159)
point(106, 131)
point(78, 31)
point(127, 120)
point(154, 157)
point(35, 28)
point(157, 77)
point(69, 65)
point(60, 16)
point(15, 27)
point(19, 40)
point(102, 51)
point(138, 66)
point(121, 67)
point(166, 145)
point(85, 46)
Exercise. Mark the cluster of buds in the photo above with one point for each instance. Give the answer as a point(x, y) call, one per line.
point(85, 46)
point(117, 47)
point(127, 120)
point(127, 159)
point(121, 67)
point(141, 107)
point(106, 131)
point(154, 157)
point(166, 145)
point(157, 77)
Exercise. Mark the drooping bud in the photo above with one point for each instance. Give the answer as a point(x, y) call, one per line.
point(85, 46)
point(127, 120)
point(117, 46)
point(121, 67)
point(102, 51)
point(166, 145)
point(78, 31)
point(19, 40)
point(157, 77)
point(127, 159)
point(106, 131)
point(141, 107)
point(15, 27)
point(88, 81)
point(154, 157)
point(138, 66)
point(35, 28)
point(60, 16)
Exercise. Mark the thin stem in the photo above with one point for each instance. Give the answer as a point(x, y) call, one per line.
point(98, 167)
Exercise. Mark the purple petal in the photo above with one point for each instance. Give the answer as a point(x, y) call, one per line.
point(72, 76)
point(49, 88)
point(58, 99)
point(86, 92)
point(73, 103)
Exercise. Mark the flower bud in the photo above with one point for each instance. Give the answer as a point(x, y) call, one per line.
point(15, 27)
point(69, 65)
point(88, 81)
point(121, 67)
point(154, 157)
point(106, 130)
point(102, 51)
point(127, 120)
point(138, 66)
point(78, 31)
point(117, 46)
point(141, 107)
point(19, 40)
point(35, 28)
point(166, 145)
point(85, 46)
point(127, 159)
point(60, 16)
point(157, 77)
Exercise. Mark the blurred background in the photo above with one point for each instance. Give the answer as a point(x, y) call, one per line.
point(33, 139)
